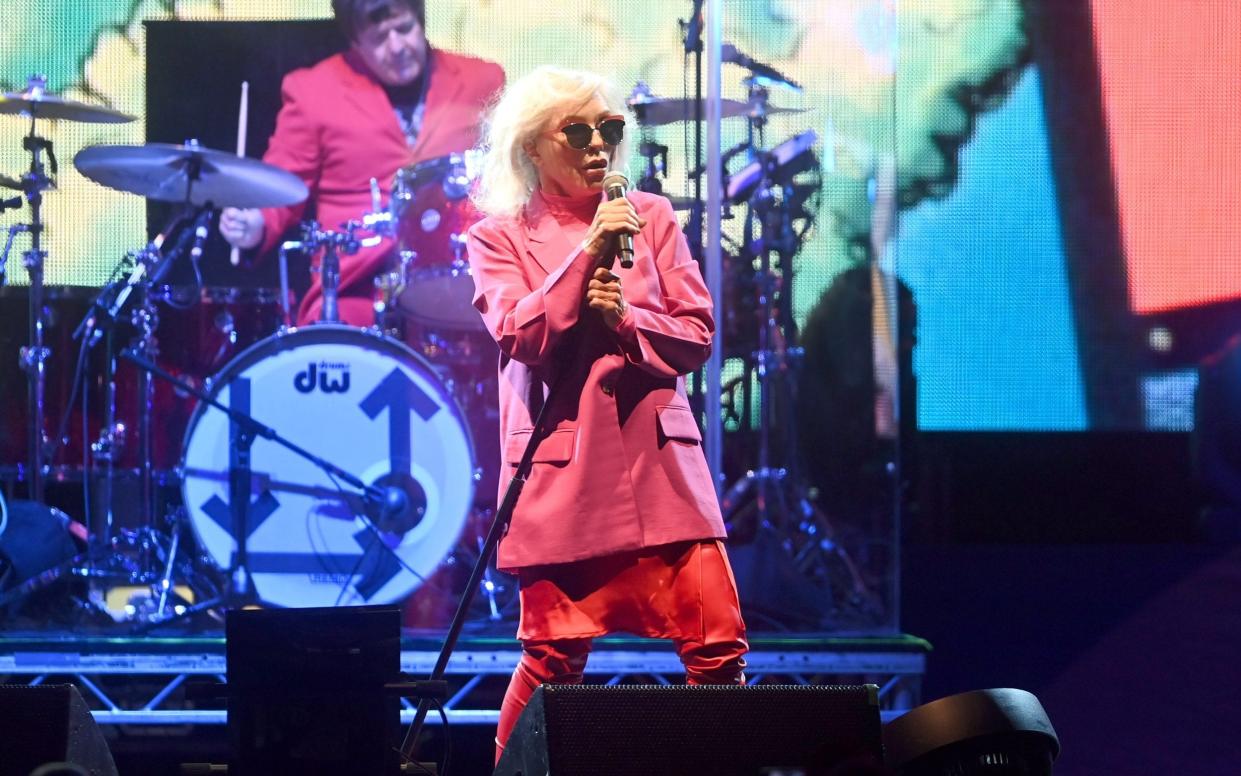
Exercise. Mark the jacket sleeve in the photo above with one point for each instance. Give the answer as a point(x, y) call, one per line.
point(677, 341)
point(295, 147)
point(526, 321)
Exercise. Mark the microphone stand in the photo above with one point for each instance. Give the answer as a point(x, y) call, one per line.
point(499, 526)
point(694, 228)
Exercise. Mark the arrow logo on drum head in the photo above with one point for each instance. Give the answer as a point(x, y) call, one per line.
point(260, 509)
point(398, 394)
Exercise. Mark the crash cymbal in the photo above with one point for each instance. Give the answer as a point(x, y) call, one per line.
point(657, 111)
point(37, 104)
point(10, 183)
point(164, 172)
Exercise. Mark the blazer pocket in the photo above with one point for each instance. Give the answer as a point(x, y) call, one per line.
point(557, 447)
point(678, 423)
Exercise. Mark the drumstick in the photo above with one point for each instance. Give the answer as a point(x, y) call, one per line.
point(234, 256)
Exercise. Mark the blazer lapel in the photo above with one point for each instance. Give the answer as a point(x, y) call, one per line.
point(445, 86)
point(545, 240)
point(367, 95)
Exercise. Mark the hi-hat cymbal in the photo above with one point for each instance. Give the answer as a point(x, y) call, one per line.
point(164, 172)
point(657, 111)
point(37, 104)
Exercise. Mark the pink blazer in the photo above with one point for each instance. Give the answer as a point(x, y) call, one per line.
point(336, 130)
point(623, 467)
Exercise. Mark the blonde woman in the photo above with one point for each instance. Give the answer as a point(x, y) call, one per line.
point(617, 528)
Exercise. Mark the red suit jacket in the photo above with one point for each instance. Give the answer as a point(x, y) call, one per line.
point(623, 467)
point(336, 130)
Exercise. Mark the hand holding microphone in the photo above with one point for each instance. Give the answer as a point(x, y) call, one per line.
point(616, 221)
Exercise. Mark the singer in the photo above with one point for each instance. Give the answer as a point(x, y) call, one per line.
point(618, 528)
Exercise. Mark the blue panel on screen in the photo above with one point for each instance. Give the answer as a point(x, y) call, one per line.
point(996, 343)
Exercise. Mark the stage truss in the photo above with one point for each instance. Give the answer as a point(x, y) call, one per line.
point(152, 681)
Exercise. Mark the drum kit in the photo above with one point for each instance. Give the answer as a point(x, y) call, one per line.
point(212, 389)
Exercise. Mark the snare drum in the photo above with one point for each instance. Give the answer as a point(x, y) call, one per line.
point(367, 404)
point(431, 203)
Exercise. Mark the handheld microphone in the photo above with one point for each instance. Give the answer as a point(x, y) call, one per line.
point(614, 185)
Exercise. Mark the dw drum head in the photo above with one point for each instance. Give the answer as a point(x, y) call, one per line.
point(366, 404)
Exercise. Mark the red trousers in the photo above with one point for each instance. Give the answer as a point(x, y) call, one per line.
point(690, 585)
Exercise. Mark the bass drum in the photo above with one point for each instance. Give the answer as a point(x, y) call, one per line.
point(364, 403)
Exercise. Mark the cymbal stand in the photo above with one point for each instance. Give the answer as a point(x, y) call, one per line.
point(33, 358)
point(157, 558)
point(782, 504)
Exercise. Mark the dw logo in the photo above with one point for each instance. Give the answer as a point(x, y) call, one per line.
point(322, 375)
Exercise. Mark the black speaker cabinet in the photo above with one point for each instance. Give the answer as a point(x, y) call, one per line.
point(676, 729)
point(49, 724)
point(306, 690)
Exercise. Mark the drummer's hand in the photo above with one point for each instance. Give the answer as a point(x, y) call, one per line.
point(612, 218)
point(604, 294)
point(241, 228)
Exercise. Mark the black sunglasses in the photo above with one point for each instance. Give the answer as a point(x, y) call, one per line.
point(579, 134)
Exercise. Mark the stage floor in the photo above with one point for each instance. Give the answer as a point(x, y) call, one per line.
point(155, 680)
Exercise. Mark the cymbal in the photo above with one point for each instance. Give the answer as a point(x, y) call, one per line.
point(163, 171)
point(10, 183)
point(37, 104)
point(657, 111)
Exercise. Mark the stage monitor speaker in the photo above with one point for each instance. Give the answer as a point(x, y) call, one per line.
point(307, 690)
point(49, 723)
point(678, 729)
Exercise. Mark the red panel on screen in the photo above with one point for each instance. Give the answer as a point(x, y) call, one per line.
point(1171, 74)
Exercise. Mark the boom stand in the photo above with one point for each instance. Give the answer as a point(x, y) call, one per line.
point(499, 524)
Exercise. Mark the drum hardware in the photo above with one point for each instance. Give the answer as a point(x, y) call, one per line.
point(656, 156)
point(33, 357)
point(198, 179)
point(141, 269)
point(773, 189)
point(333, 243)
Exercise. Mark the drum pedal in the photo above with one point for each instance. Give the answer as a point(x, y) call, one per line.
point(129, 602)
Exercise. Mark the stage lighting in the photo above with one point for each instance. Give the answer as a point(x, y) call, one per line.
point(999, 732)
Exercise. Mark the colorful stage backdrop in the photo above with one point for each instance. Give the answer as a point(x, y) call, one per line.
point(1066, 171)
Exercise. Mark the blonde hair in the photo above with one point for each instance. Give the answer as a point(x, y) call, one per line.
point(507, 176)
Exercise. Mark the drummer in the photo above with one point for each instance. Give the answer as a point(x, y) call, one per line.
point(387, 102)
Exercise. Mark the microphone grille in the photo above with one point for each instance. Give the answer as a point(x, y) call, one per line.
point(615, 178)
